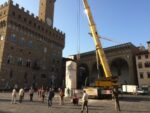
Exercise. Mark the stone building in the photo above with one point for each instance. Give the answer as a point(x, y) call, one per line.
point(121, 59)
point(30, 47)
point(143, 67)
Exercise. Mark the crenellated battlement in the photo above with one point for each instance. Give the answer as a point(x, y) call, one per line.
point(17, 5)
point(1, 6)
point(28, 12)
point(32, 15)
point(58, 31)
point(36, 18)
point(22, 8)
point(4, 5)
point(10, 2)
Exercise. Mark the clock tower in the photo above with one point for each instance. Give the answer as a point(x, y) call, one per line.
point(46, 11)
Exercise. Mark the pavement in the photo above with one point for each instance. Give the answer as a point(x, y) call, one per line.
point(129, 104)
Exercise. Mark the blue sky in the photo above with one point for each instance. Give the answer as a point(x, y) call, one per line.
point(121, 20)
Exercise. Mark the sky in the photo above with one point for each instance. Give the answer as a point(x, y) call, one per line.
point(120, 20)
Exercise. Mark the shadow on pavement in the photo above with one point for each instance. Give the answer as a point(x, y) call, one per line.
point(132, 111)
point(134, 99)
point(9, 100)
point(96, 106)
point(4, 112)
point(75, 107)
point(5, 100)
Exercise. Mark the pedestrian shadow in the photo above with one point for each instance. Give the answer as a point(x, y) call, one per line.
point(23, 101)
point(5, 112)
point(76, 107)
point(5, 100)
point(65, 107)
point(9, 100)
point(97, 106)
point(135, 111)
point(134, 99)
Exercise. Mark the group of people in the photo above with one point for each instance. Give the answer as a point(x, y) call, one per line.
point(14, 95)
point(41, 93)
point(51, 94)
point(21, 95)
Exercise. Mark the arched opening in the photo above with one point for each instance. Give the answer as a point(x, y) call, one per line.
point(120, 68)
point(83, 76)
point(97, 72)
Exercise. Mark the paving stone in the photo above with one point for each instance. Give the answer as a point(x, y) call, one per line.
point(129, 104)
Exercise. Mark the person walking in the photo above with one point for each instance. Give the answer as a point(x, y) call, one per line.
point(50, 97)
point(31, 93)
point(116, 98)
point(61, 94)
point(14, 94)
point(43, 94)
point(21, 95)
point(84, 101)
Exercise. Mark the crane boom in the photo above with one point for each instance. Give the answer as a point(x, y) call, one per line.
point(96, 38)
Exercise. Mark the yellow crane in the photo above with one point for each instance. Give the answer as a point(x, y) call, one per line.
point(108, 81)
point(97, 42)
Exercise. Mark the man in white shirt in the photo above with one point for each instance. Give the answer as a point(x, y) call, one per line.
point(14, 94)
point(84, 101)
point(31, 93)
point(21, 95)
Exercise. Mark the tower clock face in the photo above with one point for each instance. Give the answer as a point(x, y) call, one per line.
point(49, 21)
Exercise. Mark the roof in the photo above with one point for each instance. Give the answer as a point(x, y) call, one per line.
point(129, 44)
point(120, 46)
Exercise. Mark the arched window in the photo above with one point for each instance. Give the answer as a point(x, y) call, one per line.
point(28, 64)
point(30, 44)
point(13, 38)
point(9, 59)
point(21, 41)
point(19, 62)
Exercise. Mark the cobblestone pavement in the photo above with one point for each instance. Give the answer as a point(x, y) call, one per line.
point(129, 104)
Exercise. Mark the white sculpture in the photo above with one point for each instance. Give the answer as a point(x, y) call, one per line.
point(71, 77)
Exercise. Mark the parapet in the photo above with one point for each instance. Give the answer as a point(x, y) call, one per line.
point(22, 8)
point(27, 11)
point(58, 31)
point(10, 2)
point(17, 5)
point(1, 6)
point(4, 5)
point(32, 15)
